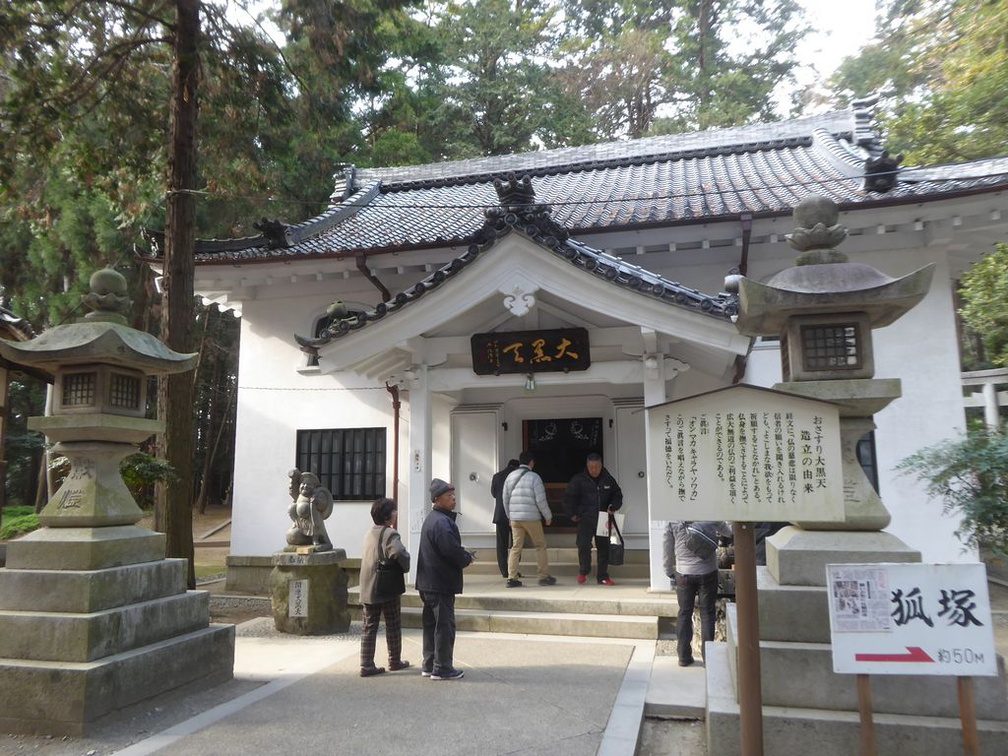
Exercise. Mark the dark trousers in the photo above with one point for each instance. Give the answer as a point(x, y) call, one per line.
point(438, 631)
point(503, 546)
point(586, 527)
point(371, 613)
point(688, 587)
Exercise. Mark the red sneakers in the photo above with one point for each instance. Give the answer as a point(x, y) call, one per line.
point(582, 578)
point(607, 581)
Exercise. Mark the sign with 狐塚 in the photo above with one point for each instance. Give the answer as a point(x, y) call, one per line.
point(549, 351)
point(747, 454)
point(911, 619)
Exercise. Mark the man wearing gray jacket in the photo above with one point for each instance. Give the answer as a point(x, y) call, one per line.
point(525, 503)
point(690, 556)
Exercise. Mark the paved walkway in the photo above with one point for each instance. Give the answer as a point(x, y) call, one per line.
point(520, 695)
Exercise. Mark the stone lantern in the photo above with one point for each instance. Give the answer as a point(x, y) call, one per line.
point(93, 618)
point(823, 310)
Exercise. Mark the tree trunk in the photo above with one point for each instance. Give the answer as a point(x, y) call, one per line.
point(175, 392)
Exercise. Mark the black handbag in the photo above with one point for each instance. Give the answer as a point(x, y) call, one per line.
point(390, 581)
point(616, 548)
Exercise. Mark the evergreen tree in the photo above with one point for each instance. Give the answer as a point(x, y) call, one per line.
point(943, 67)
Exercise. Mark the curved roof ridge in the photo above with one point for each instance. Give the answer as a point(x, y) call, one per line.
point(534, 222)
point(843, 157)
point(640, 150)
point(331, 216)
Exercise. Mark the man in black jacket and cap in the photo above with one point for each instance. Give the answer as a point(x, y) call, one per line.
point(590, 493)
point(440, 561)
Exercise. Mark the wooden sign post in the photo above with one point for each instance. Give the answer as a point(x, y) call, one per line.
point(745, 454)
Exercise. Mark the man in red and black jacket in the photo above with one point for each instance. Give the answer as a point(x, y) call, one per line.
point(590, 493)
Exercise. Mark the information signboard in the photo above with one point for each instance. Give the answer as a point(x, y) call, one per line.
point(745, 453)
point(911, 619)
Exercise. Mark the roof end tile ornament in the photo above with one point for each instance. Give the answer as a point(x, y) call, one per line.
point(881, 169)
point(274, 231)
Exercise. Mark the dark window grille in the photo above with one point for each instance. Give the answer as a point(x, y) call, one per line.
point(867, 458)
point(79, 389)
point(831, 347)
point(350, 462)
point(124, 391)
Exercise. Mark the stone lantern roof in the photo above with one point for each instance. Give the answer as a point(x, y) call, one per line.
point(824, 281)
point(103, 336)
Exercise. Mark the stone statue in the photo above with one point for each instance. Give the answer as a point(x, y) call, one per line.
point(311, 505)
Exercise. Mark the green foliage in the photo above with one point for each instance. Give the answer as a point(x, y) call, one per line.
point(970, 477)
point(17, 521)
point(944, 65)
point(677, 65)
point(984, 292)
point(140, 471)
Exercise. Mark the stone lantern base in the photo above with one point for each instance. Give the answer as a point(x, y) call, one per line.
point(95, 619)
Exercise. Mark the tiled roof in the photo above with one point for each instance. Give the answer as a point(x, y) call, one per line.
point(763, 170)
point(517, 210)
point(13, 326)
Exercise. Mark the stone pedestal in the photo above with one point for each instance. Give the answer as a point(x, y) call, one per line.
point(95, 619)
point(308, 593)
point(806, 707)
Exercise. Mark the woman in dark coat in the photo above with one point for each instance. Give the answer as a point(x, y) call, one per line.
point(381, 542)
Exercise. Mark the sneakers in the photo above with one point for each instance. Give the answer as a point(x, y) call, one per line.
point(448, 674)
point(685, 662)
point(512, 583)
point(371, 671)
point(548, 580)
point(606, 581)
point(397, 665)
point(582, 578)
point(424, 673)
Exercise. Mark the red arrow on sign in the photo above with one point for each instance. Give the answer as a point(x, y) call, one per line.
point(915, 655)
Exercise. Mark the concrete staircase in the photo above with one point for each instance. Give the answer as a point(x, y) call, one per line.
point(562, 561)
point(625, 610)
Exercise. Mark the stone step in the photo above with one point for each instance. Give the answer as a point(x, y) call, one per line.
point(84, 591)
point(801, 675)
point(523, 600)
point(796, 731)
point(87, 637)
point(541, 623)
point(527, 566)
point(561, 555)
point(48, 698)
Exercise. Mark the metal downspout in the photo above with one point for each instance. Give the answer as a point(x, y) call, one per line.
point(363, 268)
point(396, 405)
point(746, 220)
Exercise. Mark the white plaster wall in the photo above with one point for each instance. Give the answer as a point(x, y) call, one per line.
point(921, 350)
point(276, 401)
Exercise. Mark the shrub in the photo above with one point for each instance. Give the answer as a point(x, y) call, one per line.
point(970, 477)
point(17, 521)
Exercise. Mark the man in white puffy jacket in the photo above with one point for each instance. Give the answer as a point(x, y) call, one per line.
point(525, 503)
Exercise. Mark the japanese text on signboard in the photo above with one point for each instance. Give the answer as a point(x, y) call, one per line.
point(556, 350)
point(748, 455)
point(911, 619)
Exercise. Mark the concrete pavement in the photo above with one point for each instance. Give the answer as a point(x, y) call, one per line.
point(520, 695)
